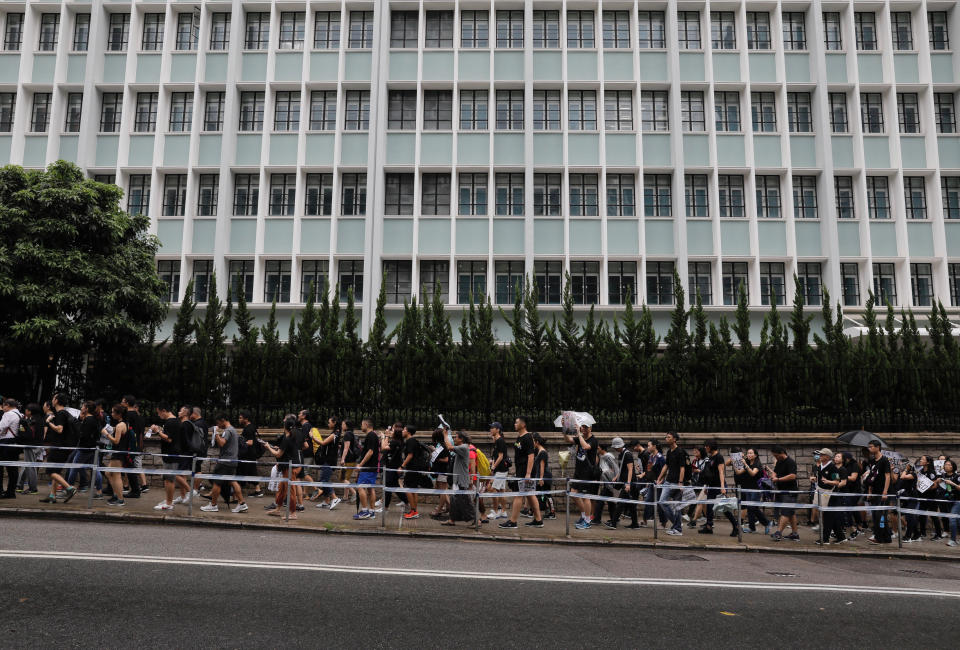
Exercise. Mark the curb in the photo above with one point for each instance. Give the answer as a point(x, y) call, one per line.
point(129, 518)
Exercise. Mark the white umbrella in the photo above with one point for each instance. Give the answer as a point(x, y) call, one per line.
point(573, 420)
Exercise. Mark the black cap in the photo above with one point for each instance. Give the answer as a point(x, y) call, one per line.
point(496, 425)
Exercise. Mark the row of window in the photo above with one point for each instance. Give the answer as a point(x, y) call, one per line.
point(583, 195)
point(548, 276)
point(436, 111)
point(581, 30)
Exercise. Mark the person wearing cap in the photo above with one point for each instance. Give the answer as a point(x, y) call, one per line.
point(830, 481)
point(625, 483)
point(499, 465)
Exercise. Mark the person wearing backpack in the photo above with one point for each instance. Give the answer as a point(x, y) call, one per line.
point(9, 430)
point(31, 433)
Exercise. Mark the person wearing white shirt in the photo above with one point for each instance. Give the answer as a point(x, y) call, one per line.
point(9, 427)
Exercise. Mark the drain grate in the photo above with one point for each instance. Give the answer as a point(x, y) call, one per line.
point(683, 557)
point(782, 574)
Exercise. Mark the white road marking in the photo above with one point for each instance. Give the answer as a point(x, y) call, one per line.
point(469, 575)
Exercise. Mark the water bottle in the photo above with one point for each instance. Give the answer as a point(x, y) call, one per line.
point(882, 522)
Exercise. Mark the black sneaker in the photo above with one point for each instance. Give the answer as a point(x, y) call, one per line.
point(550, 515)
point(511, 524)
point(705, 530)
point(133, 495)
point(536, 523)
point(794, 536)
point(114, 501)
point(270, 506)
point(299, 507)
point(258, 494)
point(610, 525)
point(633, 526)
point(144, 489)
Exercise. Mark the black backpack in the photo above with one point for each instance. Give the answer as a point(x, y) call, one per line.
point(197, 443)
point(26, 432)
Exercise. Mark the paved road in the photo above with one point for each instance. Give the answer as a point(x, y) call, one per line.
point(76, 584)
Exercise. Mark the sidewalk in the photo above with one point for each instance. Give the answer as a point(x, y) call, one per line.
point(340, 520)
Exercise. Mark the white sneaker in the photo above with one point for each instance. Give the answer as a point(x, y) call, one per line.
point(686, 518)
point(195, 493)
point(335, 502)
point(378, 504)
point(210, 508)
point(178, 500)
point(321, 505)
point(674, 532)
point(187, 498)
point(377, 509)
point(163, 505)
point(815, 527)
point(492, 515)
point(951, 543)
point(240, 508)
point(502, 515)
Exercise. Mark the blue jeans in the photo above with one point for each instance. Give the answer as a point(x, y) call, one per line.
point(672, 492)
point(83, 457)
point(754, 513)
point(648, 508)
point(954, 510)
point(325, 473)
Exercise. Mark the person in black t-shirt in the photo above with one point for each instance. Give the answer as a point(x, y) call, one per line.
point(287, 452)
point(348, 458)
point(523, 462)
point(250, 449)
point(368, 466)
point(171, 446)
point(414, 466)
point(543, 476)
point(713, 478)
point(500, 466)
point(326, 456)
point(137, 425)
point(784, 477)
point(878, 481)
point(59, 435)
point(586, 469)
point(392, 450)
point(671, 478)
point(625, 478)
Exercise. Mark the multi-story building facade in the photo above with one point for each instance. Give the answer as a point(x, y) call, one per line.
point(468, 145)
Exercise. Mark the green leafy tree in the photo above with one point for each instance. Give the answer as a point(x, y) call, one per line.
point(378, 340)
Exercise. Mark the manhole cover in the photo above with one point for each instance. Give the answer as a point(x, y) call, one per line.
point(782, 574)
point(915, 572)
point(688, 557)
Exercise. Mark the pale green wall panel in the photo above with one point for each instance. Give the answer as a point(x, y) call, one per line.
point(726, 67)
point(696, 150)
point(766, 150)
point(357, 66)
point(772, 238)
point(76, 67)
point(585, 237)
point(114, 67)
point(507, 66)
point(319, 149)
point(474, 66)
point(176, 150)
point(106, 155)
point(44, 66)
point(659, 237)
point(68, 147)
point(797, 65)
point(403, 66)
point(876, 151)
point(920, 237)
point(324, 66)
point(583, 149)
point(508, 237)
point(315, 236)
point(548, 149)
point(397, 236)
point(548, 237)
point(170, 234)
point(183, 67)
point(952, 236)
point(617, 66)
point(278, 236)
point(692, 66)
point(215, 67)
point(5, 149)
point(434, 236)
point(581, 66)
point(35, 151)
point(288, 66)
point(350, 233)
point(836, 68)
point(141, 150)
point(653, 66)
point(353, 149)
point(848, 238)
point(436, 148)
point(9, 68)
point(870, 68)
point(949, 151)
point(283, 148)
point(148, 68)
point(243, 236)
point(842, 149)
point(906, 68)
point(623, 237)
point(913, 152)
point(730, 151)
point(210, 150)
point(621, 149)
point(942, 70)
point(699, 237)
point(401, 148)
point(763, 67)
point(547, 66)
point(734, 238)
point(808, 238)
point(437, 66)
point(883, 239)
point(249, 149)
point(253, 66)
point(508, 149)
point(473, 236)
point(473, 149)
point(803, 150)
point(204, 236)
point(656, 149)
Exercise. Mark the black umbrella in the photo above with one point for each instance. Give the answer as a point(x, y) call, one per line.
point(860, 438)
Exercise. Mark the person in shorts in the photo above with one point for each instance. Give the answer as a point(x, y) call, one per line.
point(414, 469)
point(59, 423)
point(784, 477)
point(250, 450)
point(171, 444)
point(524, 456)
point(586, 469)
point(500, 466)
point(225, 437)
point(348, 458)
point(369, 462)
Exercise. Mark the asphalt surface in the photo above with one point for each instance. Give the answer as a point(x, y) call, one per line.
point(85, 584)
